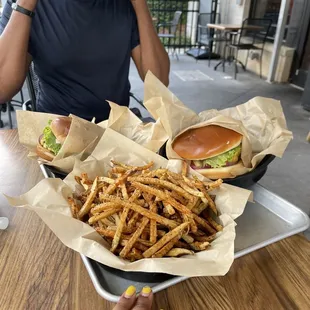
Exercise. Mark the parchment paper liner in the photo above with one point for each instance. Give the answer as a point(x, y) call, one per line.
point(261, 121)
point(48, 200)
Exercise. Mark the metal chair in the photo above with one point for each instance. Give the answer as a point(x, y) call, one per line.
point(252, 36)
point(32, 81)
point(6, 107)
point(206, 36)
point(172, 26)
point(9, 107)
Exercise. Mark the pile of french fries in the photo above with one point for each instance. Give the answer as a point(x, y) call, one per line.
point(144, 213)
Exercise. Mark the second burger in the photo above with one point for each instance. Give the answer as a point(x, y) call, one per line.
point(53, 137)
point(214, 151)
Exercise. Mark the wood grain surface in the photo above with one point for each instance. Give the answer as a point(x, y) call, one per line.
point(38, 272)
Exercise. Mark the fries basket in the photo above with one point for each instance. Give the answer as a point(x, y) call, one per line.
point(106, 210)
point(264, 222)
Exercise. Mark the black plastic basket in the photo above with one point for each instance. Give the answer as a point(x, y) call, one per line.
point(245, 180)
point(57, 173)
point(144, 277)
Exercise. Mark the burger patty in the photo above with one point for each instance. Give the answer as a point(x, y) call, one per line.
point(205, 166)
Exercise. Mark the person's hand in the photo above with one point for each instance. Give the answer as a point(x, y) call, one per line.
point(129, 300)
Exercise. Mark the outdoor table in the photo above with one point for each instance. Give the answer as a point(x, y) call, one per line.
point(231, 27)
point(231, 30)
point(225, 27)
point(39, 272)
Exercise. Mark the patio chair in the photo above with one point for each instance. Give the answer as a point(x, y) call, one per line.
point(206, 36)
point(9, 107)
point(33, 87)
point(172, 26)
point(32, 81)
point(252, 36)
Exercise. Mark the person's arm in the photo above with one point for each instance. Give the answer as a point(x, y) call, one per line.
point(14, 57)
point(150, 54)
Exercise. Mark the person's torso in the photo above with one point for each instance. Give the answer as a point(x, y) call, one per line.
point(81, 50)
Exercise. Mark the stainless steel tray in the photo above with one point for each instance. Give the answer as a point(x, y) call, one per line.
point(268, 220)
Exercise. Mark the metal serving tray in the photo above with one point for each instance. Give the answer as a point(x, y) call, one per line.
point(268, 220)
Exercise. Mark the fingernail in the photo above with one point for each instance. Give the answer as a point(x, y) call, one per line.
point(131, 290)
point(146, 291)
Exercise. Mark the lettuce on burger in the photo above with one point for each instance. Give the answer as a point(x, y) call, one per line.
point(214, 151)
point(53, 137)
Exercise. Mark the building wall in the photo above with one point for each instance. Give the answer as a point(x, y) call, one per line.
point(230, 11)
point(205, 6)
point(233, 13)
point(261, 8)
point(284, 63)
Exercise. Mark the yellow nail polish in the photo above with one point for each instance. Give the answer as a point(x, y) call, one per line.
point(131, 290)
point(146, 291)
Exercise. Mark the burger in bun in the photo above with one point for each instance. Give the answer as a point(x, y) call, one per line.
point(214, 151)
point(53, 137)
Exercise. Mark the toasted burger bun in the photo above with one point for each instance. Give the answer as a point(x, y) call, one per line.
point(60, 128)
point(220, 173)
point(205, 142)
point(43, 152)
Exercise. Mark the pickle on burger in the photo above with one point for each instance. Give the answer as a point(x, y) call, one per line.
point(53, 137)
point(214, 151)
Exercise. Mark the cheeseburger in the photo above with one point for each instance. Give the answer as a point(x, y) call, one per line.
point(53, 137)
point(214, 151)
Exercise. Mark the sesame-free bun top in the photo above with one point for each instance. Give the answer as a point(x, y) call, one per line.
point(205, 142)
point(60, 127)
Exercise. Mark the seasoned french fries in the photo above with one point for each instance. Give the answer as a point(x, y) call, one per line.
point(176, 252)
point(144, 213)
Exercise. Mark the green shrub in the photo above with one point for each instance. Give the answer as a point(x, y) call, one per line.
point(164, 10)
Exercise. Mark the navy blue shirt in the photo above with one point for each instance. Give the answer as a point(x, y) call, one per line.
point(81, 50)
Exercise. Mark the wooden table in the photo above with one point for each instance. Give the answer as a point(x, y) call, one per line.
point(225, 27)
point(232, 27)
point(38, 272)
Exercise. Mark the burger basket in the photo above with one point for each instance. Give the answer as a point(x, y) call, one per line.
point(260, 121)
point(83, 136)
